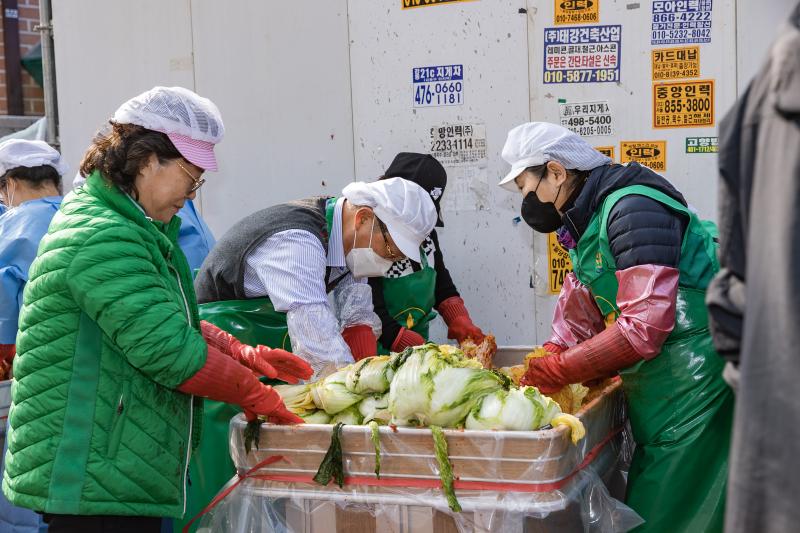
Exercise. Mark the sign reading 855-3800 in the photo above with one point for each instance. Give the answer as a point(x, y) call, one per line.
point(582, 54)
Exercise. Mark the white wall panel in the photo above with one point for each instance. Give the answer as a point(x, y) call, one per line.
point(488, 256)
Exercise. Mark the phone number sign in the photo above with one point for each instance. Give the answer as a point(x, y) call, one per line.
point(587, 119)
point(582, 54)
point(681, 22)
point(438, 86)
point(683, 104)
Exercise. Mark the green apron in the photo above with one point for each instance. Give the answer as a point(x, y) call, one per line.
point(680, 408)
point(254, 321)
point(410, 299)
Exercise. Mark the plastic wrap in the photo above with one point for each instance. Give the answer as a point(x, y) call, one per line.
point(353, 302)
point(504, 480)
point(315, 336)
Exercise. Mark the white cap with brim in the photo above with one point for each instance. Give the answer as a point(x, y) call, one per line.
point(192, 123)
point(405, 208)
point(536, 143)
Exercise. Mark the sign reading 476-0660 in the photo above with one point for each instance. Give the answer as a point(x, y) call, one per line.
point(439, 85)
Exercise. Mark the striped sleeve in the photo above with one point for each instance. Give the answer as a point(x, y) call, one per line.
point(289, 267)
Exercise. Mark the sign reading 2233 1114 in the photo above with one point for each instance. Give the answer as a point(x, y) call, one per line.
point(582, 54)
point(438, 86)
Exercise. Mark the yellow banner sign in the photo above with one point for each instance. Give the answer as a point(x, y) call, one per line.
point(576, 11)
point(410, 4)
point(606, 150)
point(683, 104)
point(651, 154)
point(676, 63)
point(559, 263)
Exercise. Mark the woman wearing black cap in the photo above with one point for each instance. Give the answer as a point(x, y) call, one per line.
point(406, 297)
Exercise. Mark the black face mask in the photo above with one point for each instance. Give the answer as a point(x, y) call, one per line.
point(542, 217)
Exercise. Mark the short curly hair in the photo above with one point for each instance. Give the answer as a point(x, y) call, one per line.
point(120, 151)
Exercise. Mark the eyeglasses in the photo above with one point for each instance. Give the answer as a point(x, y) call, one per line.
point(196, 182)
point(393, 256)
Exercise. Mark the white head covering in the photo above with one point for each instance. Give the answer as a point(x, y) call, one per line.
point(535, 143)
point(193, 123)
point(405, 208)
point(16, 153)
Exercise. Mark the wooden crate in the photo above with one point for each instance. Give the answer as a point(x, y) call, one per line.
point(408, 453)
point(508, 456)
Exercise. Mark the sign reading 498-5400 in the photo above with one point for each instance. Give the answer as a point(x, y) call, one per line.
point(439, 85)
point(582, 54)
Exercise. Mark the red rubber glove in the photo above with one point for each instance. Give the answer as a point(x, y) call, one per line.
point(7, 352)
point(361, 340)
point(407, 338)
point(553, 348)
point(225, 380)
point(265, 361)
point(603, 354)
point(459, 324)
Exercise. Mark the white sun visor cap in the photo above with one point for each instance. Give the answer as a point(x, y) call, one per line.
point(192, 123)
point(536, 143)
point(16, 153)
point(405, 208)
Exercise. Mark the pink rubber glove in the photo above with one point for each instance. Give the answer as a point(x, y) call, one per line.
point(265, 361)
point(646, 299)
point(576, 317)
point(598, 357)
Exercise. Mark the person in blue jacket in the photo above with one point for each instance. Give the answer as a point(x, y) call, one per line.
point(30, 191)
point(194, 238)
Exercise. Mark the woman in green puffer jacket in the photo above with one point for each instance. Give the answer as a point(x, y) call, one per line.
point(110, 349)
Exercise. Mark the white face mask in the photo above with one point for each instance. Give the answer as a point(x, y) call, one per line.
point(365, 262)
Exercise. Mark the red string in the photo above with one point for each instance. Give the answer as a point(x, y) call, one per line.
point(222, 495)
point(416, 483)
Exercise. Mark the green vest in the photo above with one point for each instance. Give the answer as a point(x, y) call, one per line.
point(680, 408)
point(410, 299)
point(108, 331)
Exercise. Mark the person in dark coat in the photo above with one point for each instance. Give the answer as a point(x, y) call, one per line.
point(753, 301)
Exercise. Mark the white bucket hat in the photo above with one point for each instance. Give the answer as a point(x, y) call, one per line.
point(536, 143)
point(405, 208)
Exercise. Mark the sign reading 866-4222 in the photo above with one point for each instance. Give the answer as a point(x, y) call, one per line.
point(439, 85)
